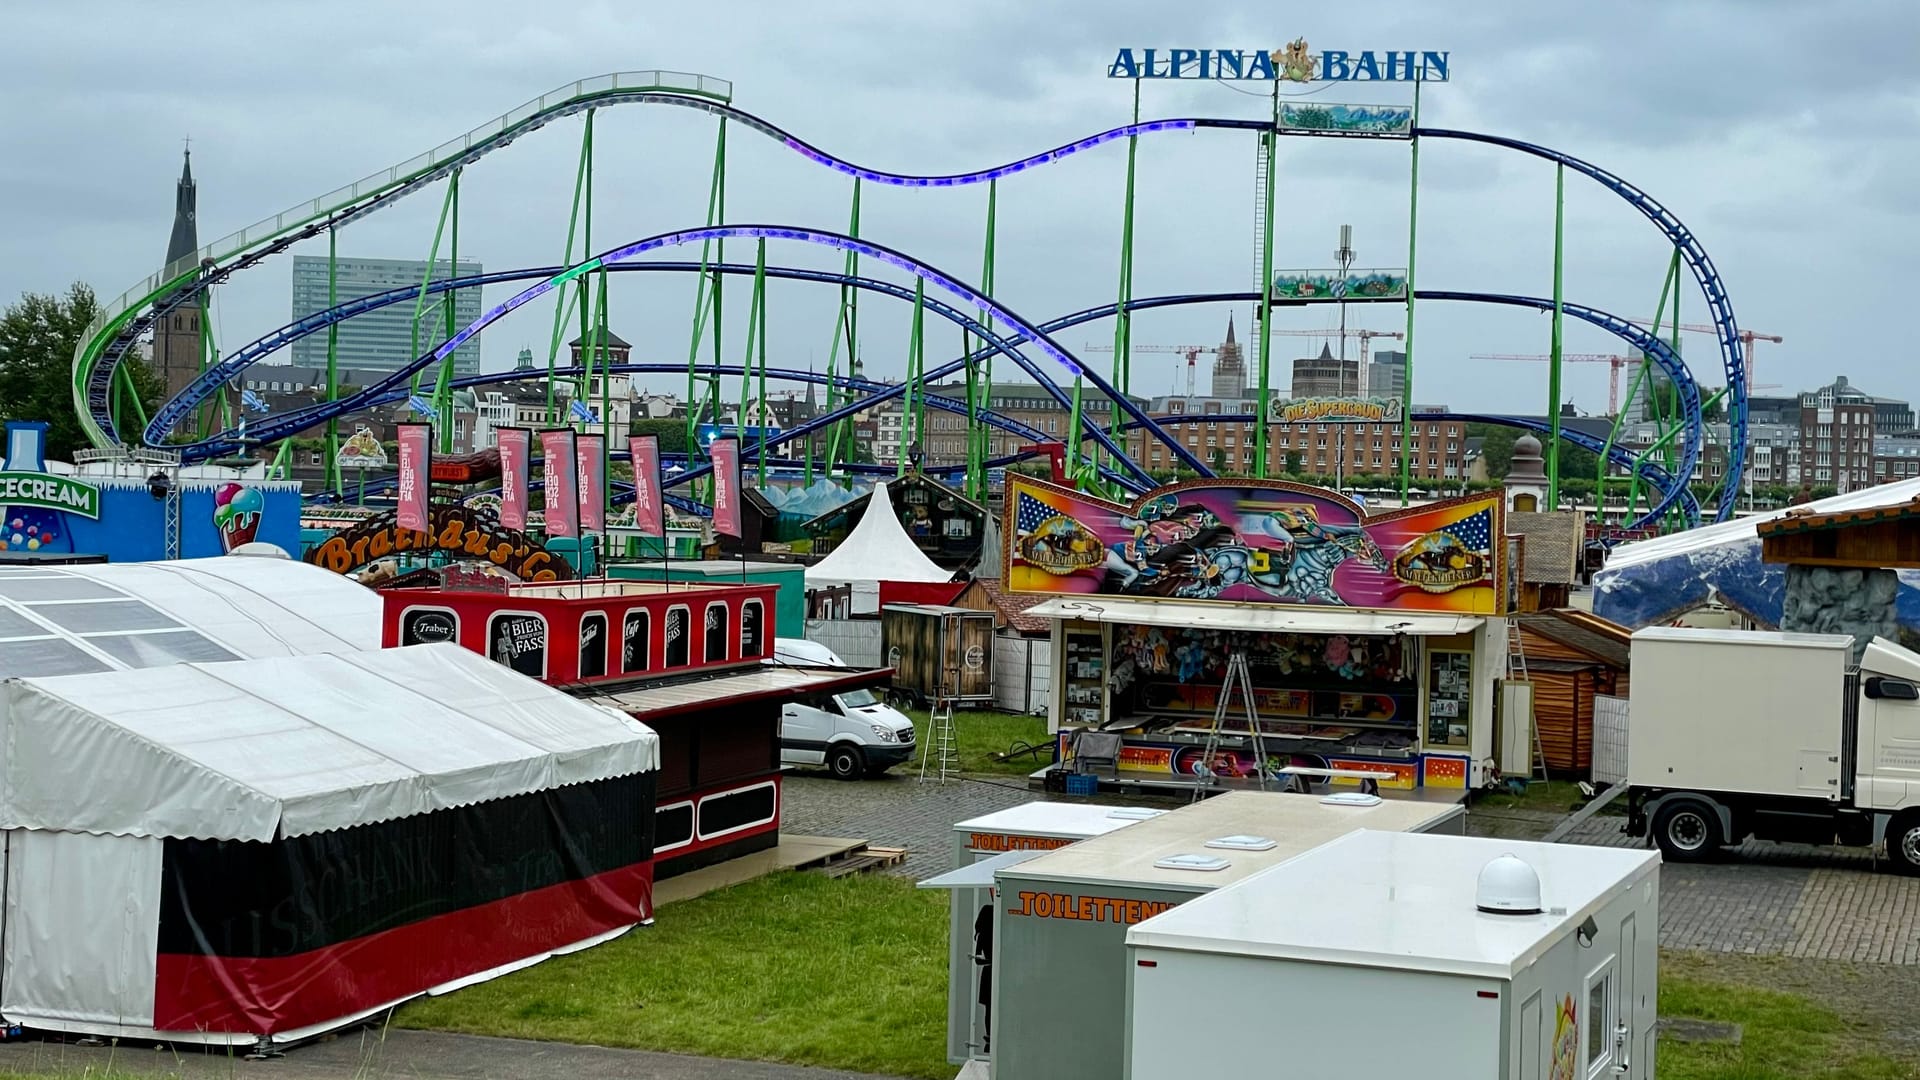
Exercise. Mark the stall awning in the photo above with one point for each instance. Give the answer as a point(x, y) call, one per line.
point(785, 682)
point(1254, 618)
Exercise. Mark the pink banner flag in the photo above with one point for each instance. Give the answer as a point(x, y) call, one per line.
point(416, 447)
point(649, 508)
point(726, 486)
point(516, 446)
point(559, 476)
point(593, 487)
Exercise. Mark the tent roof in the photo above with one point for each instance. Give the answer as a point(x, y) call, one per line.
point(256, 749)
point(68, 620)
point(877, 549)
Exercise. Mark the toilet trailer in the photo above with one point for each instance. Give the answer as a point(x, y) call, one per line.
point(1060, 920)
point(1033, 829)
point(1388, 954)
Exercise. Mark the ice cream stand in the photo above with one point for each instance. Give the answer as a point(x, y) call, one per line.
point(1370, 642)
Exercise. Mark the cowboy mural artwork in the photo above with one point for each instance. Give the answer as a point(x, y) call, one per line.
point(1262, 541)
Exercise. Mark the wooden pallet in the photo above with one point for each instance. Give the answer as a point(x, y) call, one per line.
point(864, 858)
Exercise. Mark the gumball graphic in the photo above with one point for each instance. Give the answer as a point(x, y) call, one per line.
point(18, 538)
point(33, 530)
point(33, 545)
point(16, 523)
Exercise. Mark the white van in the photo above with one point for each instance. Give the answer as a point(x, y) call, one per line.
point(853, 734)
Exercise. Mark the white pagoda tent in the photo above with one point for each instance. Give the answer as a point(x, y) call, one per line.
point(878, 549)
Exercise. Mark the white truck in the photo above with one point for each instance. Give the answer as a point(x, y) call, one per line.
point(1735, 734)
point(852, 733)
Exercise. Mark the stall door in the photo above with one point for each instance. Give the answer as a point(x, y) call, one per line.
point(975, 659)
point(1533, 1039)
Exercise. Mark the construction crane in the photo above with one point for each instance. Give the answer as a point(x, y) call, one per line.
point(1747, 338)
point(1613, 377)
point(1192, 352)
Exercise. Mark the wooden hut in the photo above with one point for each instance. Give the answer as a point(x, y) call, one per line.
point(1550, 557)
point(1571, 655)
point(1010, 609)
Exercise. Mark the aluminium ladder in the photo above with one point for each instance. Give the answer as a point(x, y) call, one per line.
point(1237, 676)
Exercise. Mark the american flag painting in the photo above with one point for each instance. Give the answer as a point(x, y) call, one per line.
point(1217, 540)
point(1476, 531)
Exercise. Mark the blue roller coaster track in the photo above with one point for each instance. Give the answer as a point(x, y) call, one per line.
point(391, 387)
point(98, 356)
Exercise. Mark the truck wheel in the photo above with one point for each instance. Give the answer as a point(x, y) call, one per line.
point(1903, 845)
point(846, 762)
point(1687, 830)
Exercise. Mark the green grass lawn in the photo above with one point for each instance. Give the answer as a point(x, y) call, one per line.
point(980, 735)
point(1551, 796)
point(847, 973)
point(1784, 1037)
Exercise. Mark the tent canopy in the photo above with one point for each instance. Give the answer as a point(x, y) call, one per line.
point(257, 749)
point(877, 549)
point(70, 620)
point(1651, 581)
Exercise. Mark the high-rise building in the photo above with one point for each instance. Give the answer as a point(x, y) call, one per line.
point(1229, 367)
point(1836, 437)
point(1325, 375)
point(382, 340)
point(176, 336)
point(1387, 374)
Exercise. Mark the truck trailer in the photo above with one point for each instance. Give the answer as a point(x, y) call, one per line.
point(1735, 734)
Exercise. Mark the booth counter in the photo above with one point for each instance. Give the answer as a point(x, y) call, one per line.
point(1371, 641)
point(1408, 694)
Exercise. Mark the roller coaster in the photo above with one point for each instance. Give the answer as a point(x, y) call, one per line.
point(112, 415)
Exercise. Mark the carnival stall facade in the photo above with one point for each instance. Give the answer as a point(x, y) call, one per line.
point(1370, 642)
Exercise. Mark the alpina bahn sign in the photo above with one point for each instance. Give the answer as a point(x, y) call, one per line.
point(1293, 63)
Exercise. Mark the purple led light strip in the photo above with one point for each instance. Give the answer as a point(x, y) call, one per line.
point(961, 179)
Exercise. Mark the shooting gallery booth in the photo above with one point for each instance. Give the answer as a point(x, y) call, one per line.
point(685, 659)
point(1056, 945)
point(1368, 645)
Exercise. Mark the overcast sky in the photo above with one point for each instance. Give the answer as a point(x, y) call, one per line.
point(1785, 135)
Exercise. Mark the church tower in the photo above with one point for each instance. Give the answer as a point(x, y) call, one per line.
point(176, 337)
point(1229, 368)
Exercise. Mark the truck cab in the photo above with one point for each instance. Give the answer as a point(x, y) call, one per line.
point(1736, 734)
point(852, 733)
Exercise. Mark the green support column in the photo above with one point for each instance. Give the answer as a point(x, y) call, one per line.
point(756, 356)
point(981, 433)
point(1413, 243)
point(332, 462)
point(702, 298)
point(443, 386)
point(1553, 359)
point(1123, 320)
point(426, 276)
point(845, 327)
point(1667, 285)
point(913, 404)
point(1263, 307)
point(582, 383)
point(564, 299)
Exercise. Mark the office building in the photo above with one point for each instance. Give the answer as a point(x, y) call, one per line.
point(1836, 437)
point(382, 340)
point(1387, 374)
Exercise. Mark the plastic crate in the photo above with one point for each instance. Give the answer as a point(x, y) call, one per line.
point(1082, 784)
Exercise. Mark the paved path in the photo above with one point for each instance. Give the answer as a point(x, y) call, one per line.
point(1763, 899)
point(415, 1055)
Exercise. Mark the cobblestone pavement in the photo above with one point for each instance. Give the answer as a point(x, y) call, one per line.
point(1761, 900)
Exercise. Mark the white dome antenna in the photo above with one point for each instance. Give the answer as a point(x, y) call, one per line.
point(1508, 886)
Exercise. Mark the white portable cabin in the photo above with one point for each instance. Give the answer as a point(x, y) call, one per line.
point(1376, 953)
point(1059, 932)
point(260, 850)
point(1031, 828)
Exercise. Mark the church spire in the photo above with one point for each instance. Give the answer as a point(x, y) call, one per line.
point(1229, 327)
point(185, 240)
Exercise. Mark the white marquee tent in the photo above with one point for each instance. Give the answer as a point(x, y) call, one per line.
point(69, 620)
point(878, 549)
point(116, 787)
